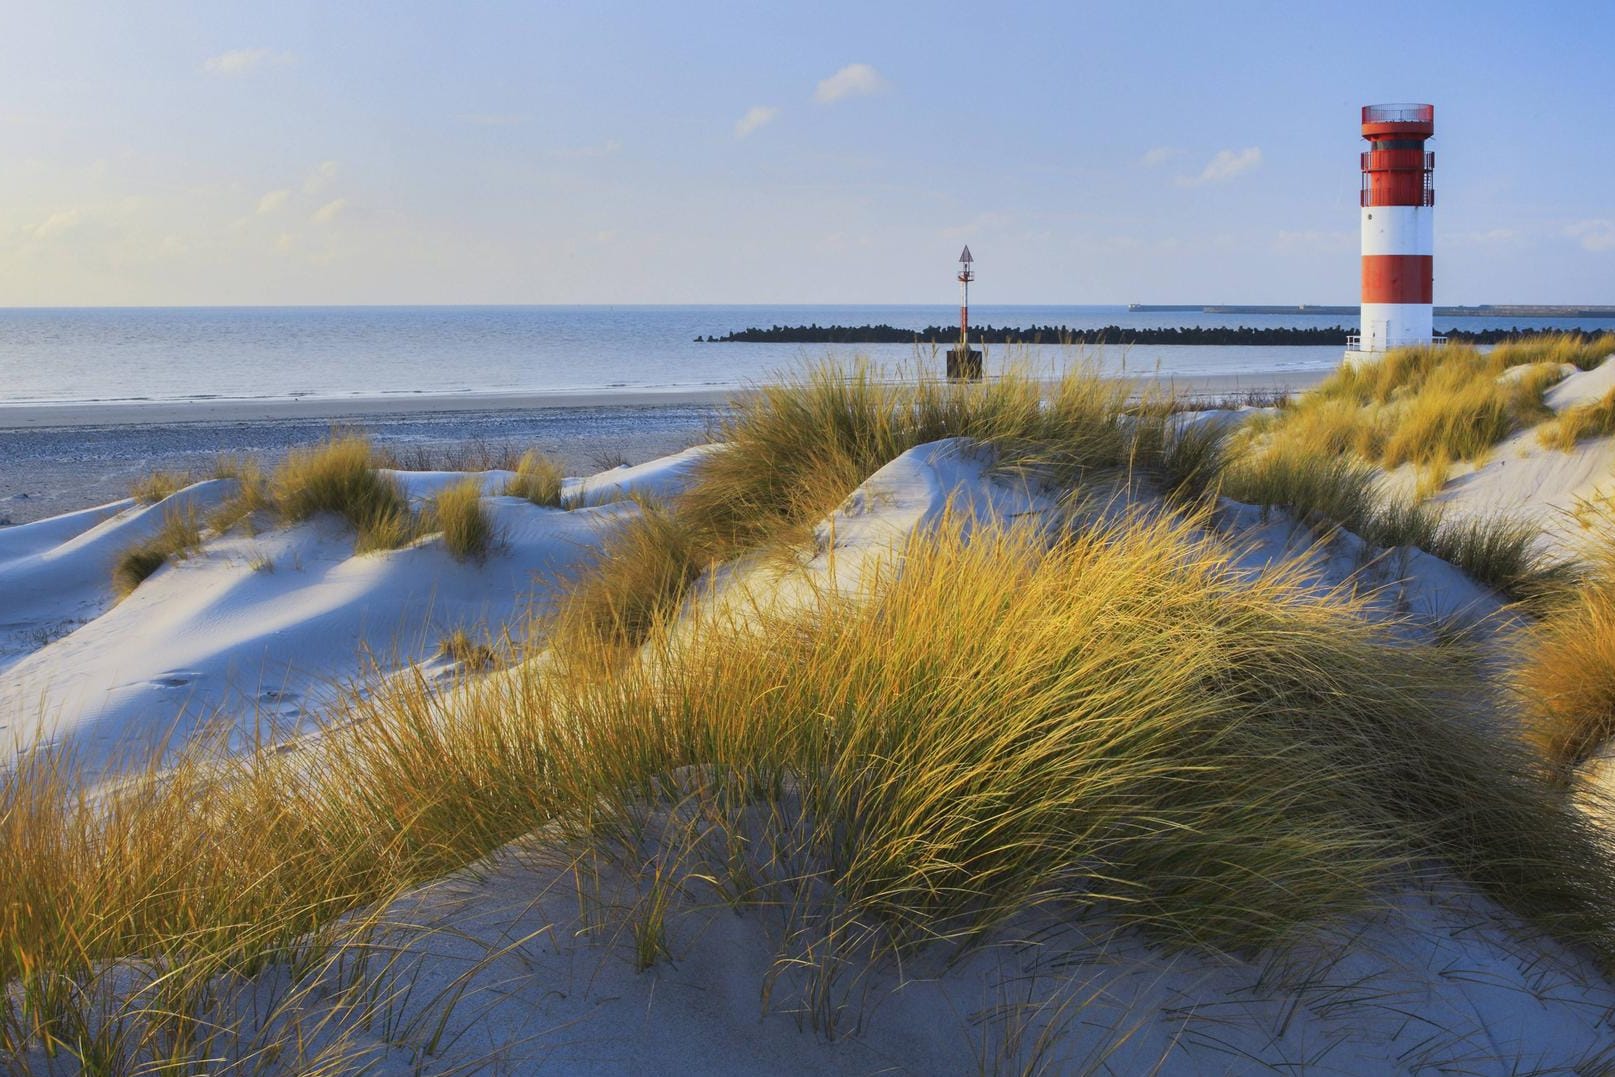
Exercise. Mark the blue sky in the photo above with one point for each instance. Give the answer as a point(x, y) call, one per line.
point(495, 152)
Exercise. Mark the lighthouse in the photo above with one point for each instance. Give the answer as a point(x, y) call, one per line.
point(1397, 205)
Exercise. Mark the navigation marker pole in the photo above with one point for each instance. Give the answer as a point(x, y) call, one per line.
point(964, 362)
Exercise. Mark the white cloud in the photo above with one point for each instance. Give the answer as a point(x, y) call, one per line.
point(330, 211)
point(274, 200)
point(240, 61)
point(1597, 234)
point(323, 174)
point(854, 80)
point(757, 116)
point(1225, 166)
point(58, 223)
point(1160, 155)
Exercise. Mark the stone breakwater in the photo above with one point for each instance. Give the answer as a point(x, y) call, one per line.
point(1110, 334)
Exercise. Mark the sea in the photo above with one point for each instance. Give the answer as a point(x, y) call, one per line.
point(87, 355)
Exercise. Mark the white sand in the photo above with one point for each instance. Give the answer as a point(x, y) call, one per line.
point(1439, 981)
point(259, 632)
point(1522, 479)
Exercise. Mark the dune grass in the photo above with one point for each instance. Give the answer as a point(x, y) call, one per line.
point(340, 477)
point(466, 651)
point(178, 537)
point(250, 498)
point(1112, 722)
point(1324, 492)
point(538, 479)
point(1554, 349)
point(1426, 406)
point(793, 451)
point(1119, 724)
point(457, 511)
point(1590, 420)
point(155, 486)
point(1564, 676)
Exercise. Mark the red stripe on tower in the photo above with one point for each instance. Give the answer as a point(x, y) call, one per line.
point(1397, 207)
point(1397, 278)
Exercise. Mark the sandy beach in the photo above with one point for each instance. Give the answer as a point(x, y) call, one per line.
point(240, 640)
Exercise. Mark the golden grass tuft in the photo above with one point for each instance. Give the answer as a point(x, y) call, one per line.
point(1324, 491)
point(793, 451)
point(179, 537)
point(460, 647)
point(339, 477)
point(1122, 724)
point(1121, 721)
point(538, 479)
point(458, 512)
point(1564, 678)
point(1554, 349)
point(158, 485)
point(641, 578)
point(1594, 419)
point(1426, 406)
point(251, 496)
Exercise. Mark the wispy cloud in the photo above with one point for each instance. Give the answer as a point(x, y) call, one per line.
point(241, 61)
point(274, 200)
point(58, 224)
point(1597, 234)
point(1160, 155)
point(329, 212)
point(1225, 166)
point(756, 117)
point(321, 177)
point(854, 80)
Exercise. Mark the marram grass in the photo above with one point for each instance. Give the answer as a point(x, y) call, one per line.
point(1119, 723)
point(155, 486)
point(1556, 349)
point(1565, 674)
point(339, 477)
point(792, 452)
point(538, 479)
point(178, 537)
point(1325, 491)
point(1593, 419)
point(1425, 406)
point(457, 511)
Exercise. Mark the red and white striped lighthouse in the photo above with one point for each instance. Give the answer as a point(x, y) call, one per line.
point(1398, 207)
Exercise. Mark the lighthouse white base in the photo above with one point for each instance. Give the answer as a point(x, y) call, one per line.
point(1392, 325)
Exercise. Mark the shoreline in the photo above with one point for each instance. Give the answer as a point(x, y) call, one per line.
point(71, 414)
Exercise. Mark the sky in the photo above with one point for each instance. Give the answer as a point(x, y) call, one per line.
point(488, 151)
